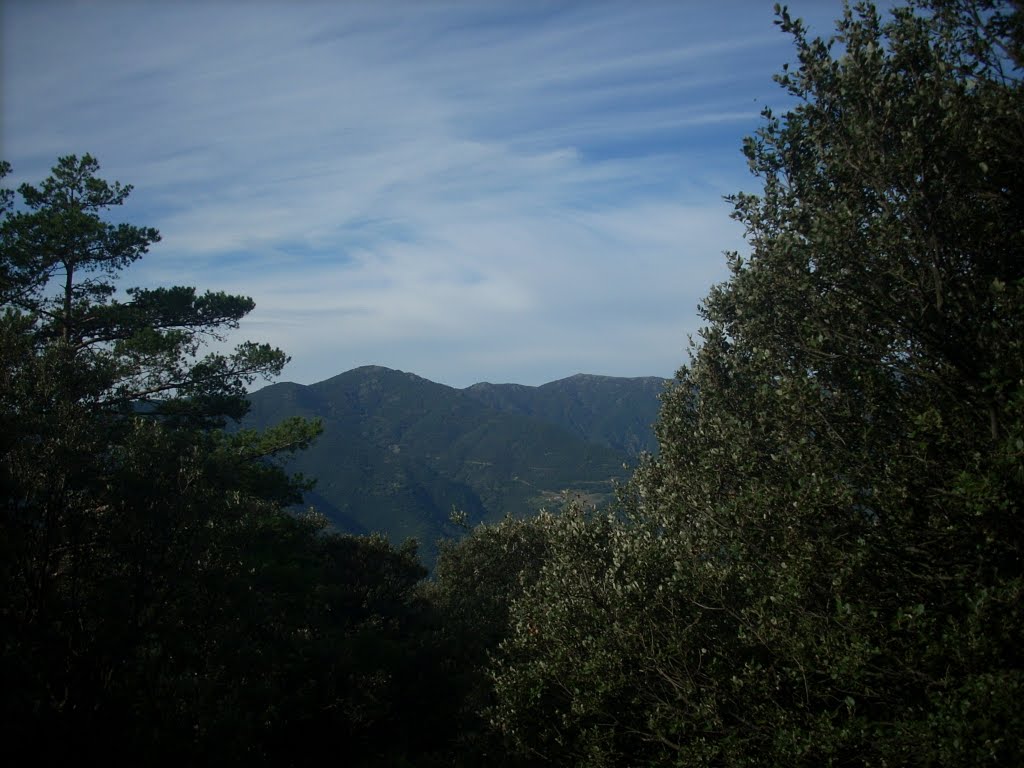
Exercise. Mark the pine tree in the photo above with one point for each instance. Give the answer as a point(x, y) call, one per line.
point(122, 502)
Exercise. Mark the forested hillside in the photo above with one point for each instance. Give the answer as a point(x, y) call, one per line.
point(613, 411)
point(820, 565)
point(398, 453)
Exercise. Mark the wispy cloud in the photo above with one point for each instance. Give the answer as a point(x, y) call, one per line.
point(470, 191)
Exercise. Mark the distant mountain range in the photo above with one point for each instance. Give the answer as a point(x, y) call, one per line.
point(399, 452)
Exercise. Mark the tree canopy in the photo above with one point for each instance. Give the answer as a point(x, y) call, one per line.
point(159, 603)
point(823, 563)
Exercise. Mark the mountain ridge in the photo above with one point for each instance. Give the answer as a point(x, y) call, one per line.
point(399, 451)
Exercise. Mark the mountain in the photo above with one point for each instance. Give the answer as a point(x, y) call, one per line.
point(398, 452)
point(609, 410)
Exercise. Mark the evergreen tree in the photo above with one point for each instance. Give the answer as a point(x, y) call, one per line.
point(823, 564)
point(120, 502)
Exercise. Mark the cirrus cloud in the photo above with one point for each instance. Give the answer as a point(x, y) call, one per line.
point(505, 192)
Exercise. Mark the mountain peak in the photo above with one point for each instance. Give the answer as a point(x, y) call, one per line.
point(366, 373)
point(373, 370)
point(398, 451)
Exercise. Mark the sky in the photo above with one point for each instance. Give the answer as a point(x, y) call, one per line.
point(470, 191)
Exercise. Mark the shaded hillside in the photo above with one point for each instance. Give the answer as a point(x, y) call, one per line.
point(609, 410)
point(398, 452)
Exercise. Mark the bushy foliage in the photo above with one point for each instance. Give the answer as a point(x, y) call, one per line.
point(476, 581)
point(823, 564)
point(158, 605)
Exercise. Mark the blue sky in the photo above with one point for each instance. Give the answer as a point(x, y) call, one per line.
point(471, 191)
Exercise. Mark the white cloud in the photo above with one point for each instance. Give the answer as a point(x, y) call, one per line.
point(467, 191)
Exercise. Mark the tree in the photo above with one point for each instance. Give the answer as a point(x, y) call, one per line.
point(159, 600)
point(476, 581)
point(142, 350)
point(823, 563)
point(119, 496)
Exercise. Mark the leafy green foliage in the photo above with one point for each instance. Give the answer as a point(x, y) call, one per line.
point(823, 563)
